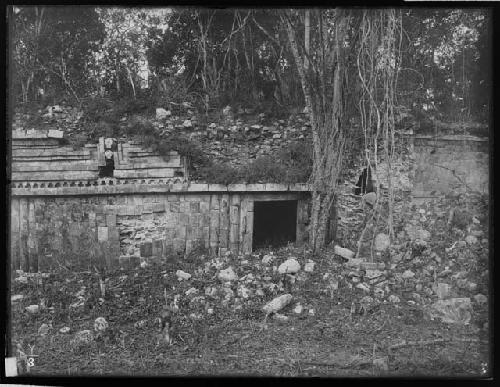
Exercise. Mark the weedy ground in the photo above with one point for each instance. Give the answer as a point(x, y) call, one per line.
point(236, 338)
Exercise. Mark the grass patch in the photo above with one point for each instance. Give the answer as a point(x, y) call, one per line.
point(234, 340)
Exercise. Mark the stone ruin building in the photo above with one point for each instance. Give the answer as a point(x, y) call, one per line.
point(135, 205)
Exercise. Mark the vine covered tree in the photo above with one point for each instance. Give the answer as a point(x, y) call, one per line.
point(327, 58)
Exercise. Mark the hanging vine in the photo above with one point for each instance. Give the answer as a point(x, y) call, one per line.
point(378, 60)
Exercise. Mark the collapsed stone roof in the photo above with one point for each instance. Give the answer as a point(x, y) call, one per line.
point(230, 140)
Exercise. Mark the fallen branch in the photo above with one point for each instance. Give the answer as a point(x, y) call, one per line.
point(355, 362)
point(454, 173)
point(406, 343)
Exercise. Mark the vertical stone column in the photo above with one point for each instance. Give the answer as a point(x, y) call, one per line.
point(302, 218)
point(205, 220)
point(23, 234)
point(32, 253)
point(234, 223)
point(224, 222)
point(247, 236)
point(214, 223)
point(14, 233)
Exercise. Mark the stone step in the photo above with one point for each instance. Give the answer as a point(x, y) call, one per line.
point(36, 166)
point(143, 173)
point(57, 176)
point(61, 151)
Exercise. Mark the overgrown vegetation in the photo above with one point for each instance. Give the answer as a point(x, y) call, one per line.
point(292, 164)
point(211, 58)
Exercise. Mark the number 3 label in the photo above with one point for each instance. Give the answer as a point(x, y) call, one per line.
point(31, 361)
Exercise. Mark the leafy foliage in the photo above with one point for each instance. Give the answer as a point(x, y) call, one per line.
point(444, 65)
point(217, 57)
point(51, 49)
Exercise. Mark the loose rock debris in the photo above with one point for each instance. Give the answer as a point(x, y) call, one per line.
point(426, 285)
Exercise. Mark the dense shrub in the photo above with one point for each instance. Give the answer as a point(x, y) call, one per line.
point(97, 109)
point(264, 169)
point(218, 173)
point(293, 164)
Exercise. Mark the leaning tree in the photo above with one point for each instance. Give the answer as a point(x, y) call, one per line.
point(345, 58)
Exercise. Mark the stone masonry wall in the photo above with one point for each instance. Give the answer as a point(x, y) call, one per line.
point(450, 163)
point(122, 228)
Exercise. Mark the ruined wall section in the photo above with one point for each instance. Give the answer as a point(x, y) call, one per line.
point(39, 156)
point(126, 224)
point(41, 159)
point(450, 163)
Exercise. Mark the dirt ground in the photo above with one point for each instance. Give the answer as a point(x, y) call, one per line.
point(387, 340)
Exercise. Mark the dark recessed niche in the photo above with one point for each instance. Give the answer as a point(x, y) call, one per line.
point(275, 223)
point(108, 170)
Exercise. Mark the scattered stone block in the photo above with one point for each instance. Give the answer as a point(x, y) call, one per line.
point(277, 304)
point(22, 279)
point(161, 113)
point(33, 309)
point(100, 324)
point(267, 259)
point(343, 252)
point(298, 309)
point(290, 266)
point(452, 311)
point(309, 266)
point(364, 287)
point(408, 274)
point(227, 275)
point(471, 239)
point(369, 198)
point(182, 275)
point(280, 317)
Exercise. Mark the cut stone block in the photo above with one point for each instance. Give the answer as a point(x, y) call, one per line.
point(110, 219)
point(146, 249)
point(102, 234)
point(158, 247)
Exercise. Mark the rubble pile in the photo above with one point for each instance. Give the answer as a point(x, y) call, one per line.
point(232, 139)
point(438, 260)
point(438, 264)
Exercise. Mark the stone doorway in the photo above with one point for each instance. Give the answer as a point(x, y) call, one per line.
point(275, 223)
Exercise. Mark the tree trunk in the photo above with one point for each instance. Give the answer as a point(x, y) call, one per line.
point(326, 117)
point(307, 32)
point(131, 81)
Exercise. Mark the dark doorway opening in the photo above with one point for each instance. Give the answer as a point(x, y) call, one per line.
point(274, 223)
point(365, 182)
point(108, 169)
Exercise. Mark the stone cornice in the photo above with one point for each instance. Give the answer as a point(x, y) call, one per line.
point(118, 187)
